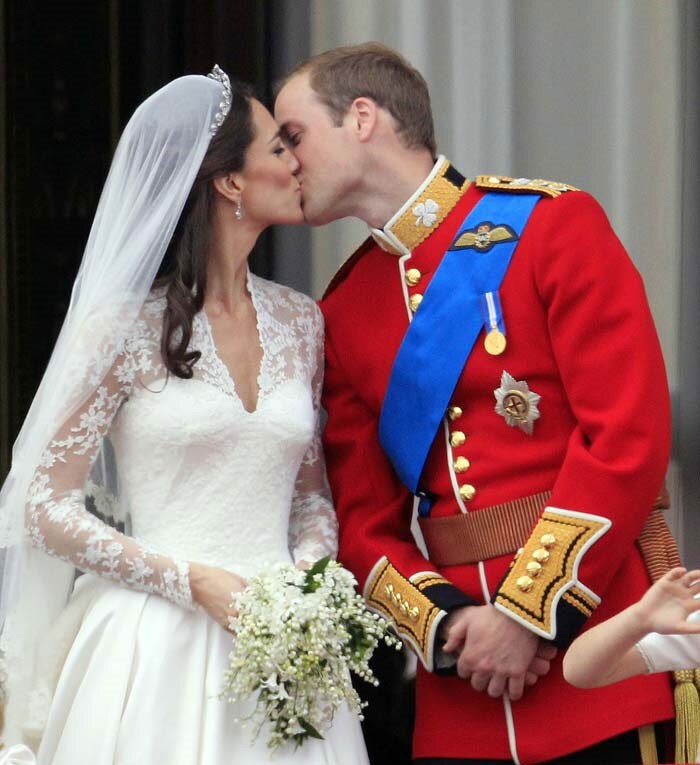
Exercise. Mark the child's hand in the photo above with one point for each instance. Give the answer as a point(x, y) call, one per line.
point(667, 604)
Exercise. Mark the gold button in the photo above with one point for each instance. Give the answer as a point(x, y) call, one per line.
point(524, 583)
point(414, 613)
point(461, 464)
point(454, 412)
point(467, 492)
point(548, 540)
point(457, 438)
point(540, 555)
point(533, 568)
point(414, 301)
point(413, 276)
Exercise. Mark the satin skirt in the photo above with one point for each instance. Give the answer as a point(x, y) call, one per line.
point(141, 684)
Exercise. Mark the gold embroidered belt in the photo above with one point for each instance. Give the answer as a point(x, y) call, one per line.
point(503, 529)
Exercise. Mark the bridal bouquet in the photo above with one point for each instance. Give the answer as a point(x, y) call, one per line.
point(297, 634)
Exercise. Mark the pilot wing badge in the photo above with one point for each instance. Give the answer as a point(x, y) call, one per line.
point(483, 237)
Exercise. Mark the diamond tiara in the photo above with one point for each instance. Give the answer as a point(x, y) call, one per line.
point(218, 74)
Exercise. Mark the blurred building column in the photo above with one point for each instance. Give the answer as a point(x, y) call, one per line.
point(687, 411)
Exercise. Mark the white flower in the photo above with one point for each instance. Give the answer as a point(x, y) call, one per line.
point(39, 490)
point(125, 372)
point(426, 212)
point(59, 512)
point(48, 459)
point(277, 690)
point(139, 572)
point(298, 633)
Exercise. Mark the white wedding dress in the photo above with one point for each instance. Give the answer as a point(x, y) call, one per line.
point(200, 479)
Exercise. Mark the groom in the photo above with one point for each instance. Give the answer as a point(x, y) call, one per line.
point(493, 369)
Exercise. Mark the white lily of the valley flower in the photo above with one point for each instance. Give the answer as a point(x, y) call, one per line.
point(426, 212)
point(297, 635)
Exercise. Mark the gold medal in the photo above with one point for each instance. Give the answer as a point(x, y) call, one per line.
point(495, 342)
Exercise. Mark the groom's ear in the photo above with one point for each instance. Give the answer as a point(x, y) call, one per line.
point(363, 114)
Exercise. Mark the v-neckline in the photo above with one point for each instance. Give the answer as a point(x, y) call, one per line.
point(224, 373)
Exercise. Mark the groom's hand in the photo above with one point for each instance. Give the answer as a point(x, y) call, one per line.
point(495, 653)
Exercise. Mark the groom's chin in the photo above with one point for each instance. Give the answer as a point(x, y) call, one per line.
point(310, 219)
point(315, 217)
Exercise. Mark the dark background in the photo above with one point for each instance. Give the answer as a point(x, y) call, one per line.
point(74, 73)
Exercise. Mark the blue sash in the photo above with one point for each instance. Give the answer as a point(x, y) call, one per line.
point(442, 334)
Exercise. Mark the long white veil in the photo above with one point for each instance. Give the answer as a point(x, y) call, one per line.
point(152, 172)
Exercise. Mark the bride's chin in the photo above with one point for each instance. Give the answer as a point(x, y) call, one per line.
point(297, 217)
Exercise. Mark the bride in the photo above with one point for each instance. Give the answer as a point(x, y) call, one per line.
point(171, 452)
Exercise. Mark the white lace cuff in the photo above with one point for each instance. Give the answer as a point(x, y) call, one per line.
point(177, 586)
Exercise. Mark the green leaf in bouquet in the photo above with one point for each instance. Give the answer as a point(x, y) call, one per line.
point(318, 568)
point(309, 729)
point(359, 640)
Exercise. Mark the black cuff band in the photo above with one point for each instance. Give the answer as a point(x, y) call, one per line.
point(448, 597)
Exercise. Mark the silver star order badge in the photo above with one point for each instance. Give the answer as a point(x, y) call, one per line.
point(516, 403)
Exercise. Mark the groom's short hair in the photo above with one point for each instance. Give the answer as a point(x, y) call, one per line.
point(340, 75)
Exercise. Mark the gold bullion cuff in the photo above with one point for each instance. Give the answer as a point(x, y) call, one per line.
point(542, 588)
point(414, 616)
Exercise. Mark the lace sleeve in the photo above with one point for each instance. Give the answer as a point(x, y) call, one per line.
point(313, 527)
point(56, 518)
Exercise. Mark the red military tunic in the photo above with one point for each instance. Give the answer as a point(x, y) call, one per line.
point(580, 335)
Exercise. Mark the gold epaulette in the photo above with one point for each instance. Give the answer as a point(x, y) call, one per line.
point(413, 615)
point(525, 185)
point(546, 571)
point(347, 266)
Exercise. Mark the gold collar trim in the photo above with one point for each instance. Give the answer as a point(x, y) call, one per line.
point(424, 211)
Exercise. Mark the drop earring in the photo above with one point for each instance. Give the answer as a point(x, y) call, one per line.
point(239, 211)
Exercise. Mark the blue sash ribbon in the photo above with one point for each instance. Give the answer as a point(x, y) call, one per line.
point(441, 335)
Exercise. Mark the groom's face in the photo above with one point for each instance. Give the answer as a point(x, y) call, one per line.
point(328, 166)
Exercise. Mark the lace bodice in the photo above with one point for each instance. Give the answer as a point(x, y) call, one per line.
point(199, 477)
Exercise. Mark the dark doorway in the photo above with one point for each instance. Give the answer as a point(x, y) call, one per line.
point(73, 74)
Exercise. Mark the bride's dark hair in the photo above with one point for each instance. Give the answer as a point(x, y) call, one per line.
point(183, 273)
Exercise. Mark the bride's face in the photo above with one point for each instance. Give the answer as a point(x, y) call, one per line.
point(271, 191)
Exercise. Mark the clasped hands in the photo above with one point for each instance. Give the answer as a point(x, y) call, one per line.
point(495, 653)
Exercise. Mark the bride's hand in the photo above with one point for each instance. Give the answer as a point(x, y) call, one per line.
point(213, 588)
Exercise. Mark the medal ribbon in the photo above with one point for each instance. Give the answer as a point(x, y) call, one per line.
point(492, 312)
point(441, 335)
